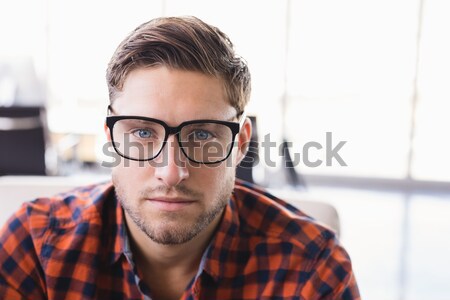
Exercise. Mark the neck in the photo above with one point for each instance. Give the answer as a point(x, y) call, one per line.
point(168, 269)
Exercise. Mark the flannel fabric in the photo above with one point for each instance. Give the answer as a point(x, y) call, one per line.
point(71, 246)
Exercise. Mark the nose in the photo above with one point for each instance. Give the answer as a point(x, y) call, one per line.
point(171, 165)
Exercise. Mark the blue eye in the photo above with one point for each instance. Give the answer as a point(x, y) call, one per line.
point(143, 133)
point(202, 135)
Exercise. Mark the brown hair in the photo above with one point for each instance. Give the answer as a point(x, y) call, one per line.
point(185, 43)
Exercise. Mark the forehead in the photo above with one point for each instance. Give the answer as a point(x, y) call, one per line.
point(173, 95)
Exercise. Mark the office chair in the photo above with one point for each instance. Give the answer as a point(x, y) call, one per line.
point(245, 169)
point(22, 140)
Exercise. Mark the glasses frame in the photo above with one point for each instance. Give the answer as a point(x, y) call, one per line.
point(235, 128)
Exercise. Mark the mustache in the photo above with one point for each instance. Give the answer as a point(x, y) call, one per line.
point(179, 190)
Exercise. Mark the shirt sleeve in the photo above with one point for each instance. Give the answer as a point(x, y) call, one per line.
point(331, 276)
point(21, 273)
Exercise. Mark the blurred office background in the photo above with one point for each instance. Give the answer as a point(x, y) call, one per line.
point(375, 74)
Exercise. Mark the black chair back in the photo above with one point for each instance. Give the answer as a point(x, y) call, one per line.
point(22, 140)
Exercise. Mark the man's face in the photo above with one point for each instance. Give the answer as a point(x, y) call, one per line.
point(171, 199)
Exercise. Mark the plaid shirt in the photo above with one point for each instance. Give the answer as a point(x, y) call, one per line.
point(72, 246)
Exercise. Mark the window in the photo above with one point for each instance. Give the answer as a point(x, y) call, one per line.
point(348, 67)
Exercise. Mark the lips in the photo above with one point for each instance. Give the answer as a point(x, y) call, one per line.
point(170, 204)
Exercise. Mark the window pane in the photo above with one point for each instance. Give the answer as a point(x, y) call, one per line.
point(351, 70)
point(23, 59)
point(432, 142)
point(82, 38)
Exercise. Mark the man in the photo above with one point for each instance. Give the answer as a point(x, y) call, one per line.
point(174, 223)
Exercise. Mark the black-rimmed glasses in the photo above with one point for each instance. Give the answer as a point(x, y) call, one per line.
point(202, 141)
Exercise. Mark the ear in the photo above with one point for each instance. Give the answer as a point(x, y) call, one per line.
point(244, 140)
point(107, 132)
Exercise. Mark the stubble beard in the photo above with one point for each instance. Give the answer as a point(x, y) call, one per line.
point(168, 229)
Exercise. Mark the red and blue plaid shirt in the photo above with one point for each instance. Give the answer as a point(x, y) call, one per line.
point(73, 246)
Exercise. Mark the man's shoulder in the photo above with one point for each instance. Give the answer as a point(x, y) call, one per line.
point(50, 232)
point(285, 248)
point(63, 216)
point(72, 206)
point(264, 215)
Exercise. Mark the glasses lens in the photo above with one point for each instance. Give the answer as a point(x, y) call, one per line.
point(206, 142)
point(138, 139)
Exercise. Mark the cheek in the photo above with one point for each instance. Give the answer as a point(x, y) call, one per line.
point(212, 179)
point(129, 181)
point(131, 175)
